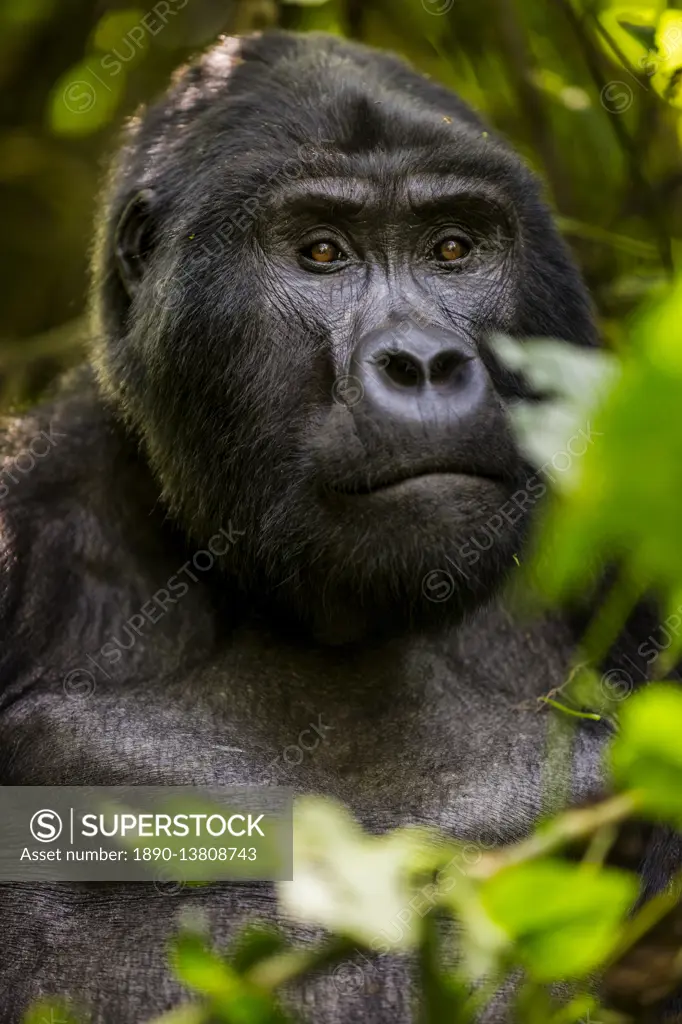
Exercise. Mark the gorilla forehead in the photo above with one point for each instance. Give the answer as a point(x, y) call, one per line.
point(281, 107)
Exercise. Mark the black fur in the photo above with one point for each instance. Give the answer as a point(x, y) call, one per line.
point(215, 411)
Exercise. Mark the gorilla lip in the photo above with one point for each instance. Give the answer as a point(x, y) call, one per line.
point(401, 480)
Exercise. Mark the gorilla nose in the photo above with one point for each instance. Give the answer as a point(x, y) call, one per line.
point(411, 376)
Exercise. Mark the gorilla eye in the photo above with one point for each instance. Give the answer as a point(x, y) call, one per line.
point(324, 252)
point(451, 249)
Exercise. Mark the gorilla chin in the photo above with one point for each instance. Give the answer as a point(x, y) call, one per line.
point(407, 556)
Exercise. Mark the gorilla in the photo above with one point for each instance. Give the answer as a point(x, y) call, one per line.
point(282, 497)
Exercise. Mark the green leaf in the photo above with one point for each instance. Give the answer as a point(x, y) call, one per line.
point(581, 1010)
point(23, 12)
point(122, 27)
point(645, 35)
point(85, 98)
point(256, 943)
point(578, 376)
point(563, 918)
point(669, 646)
point(355, 885)
point(634, 436)
point(188, 1013)
point(573, 379)
point(202, 969)
point(50, 1011)
point(231, 997)
point(534, 1005)
point(443, 997)
point(319, 16)
point(646, 755)
point(631, 26)
point(667, 61)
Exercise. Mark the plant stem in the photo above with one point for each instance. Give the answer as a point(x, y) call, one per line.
point(653, 911)
point(611, 617)
point(600, 844)
point(576, 824)
point(270, 974)
point(592, 715)
point(190, 1013)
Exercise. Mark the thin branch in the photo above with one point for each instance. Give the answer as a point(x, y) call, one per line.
point(573, 825)
point(276, 971)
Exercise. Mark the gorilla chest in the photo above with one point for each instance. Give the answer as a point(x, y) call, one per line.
point(445, 731)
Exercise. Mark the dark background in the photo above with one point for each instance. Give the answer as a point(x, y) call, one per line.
point(566, 82)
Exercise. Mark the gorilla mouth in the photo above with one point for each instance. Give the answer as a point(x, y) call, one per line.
point(384, 482)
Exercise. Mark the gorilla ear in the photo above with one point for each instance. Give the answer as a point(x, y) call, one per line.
point(134, 240)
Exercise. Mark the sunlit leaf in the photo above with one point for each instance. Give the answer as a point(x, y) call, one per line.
point(572, 379)
point(355, 885)
point(85, 98)
point(444, 996)
point(579, 375)
point(562, 917)
point(632, 28)
point(230, 996)
point(646, 755)
point(200, 968)
point(625, 499)
point(667, 61)
point(256, 943)
point(645, 35)
point(669, 644)
point(571, 96)
point(51, 1011)
point(123, 33)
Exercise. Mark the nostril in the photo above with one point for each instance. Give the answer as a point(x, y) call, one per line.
point(401, 368)
point(448, 368)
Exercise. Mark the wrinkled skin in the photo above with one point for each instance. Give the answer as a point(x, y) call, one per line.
point(247, 390)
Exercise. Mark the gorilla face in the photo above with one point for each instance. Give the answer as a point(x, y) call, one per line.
point(306, 250)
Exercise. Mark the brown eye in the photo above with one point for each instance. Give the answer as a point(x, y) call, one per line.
point(451, 249)
point(324, 252)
